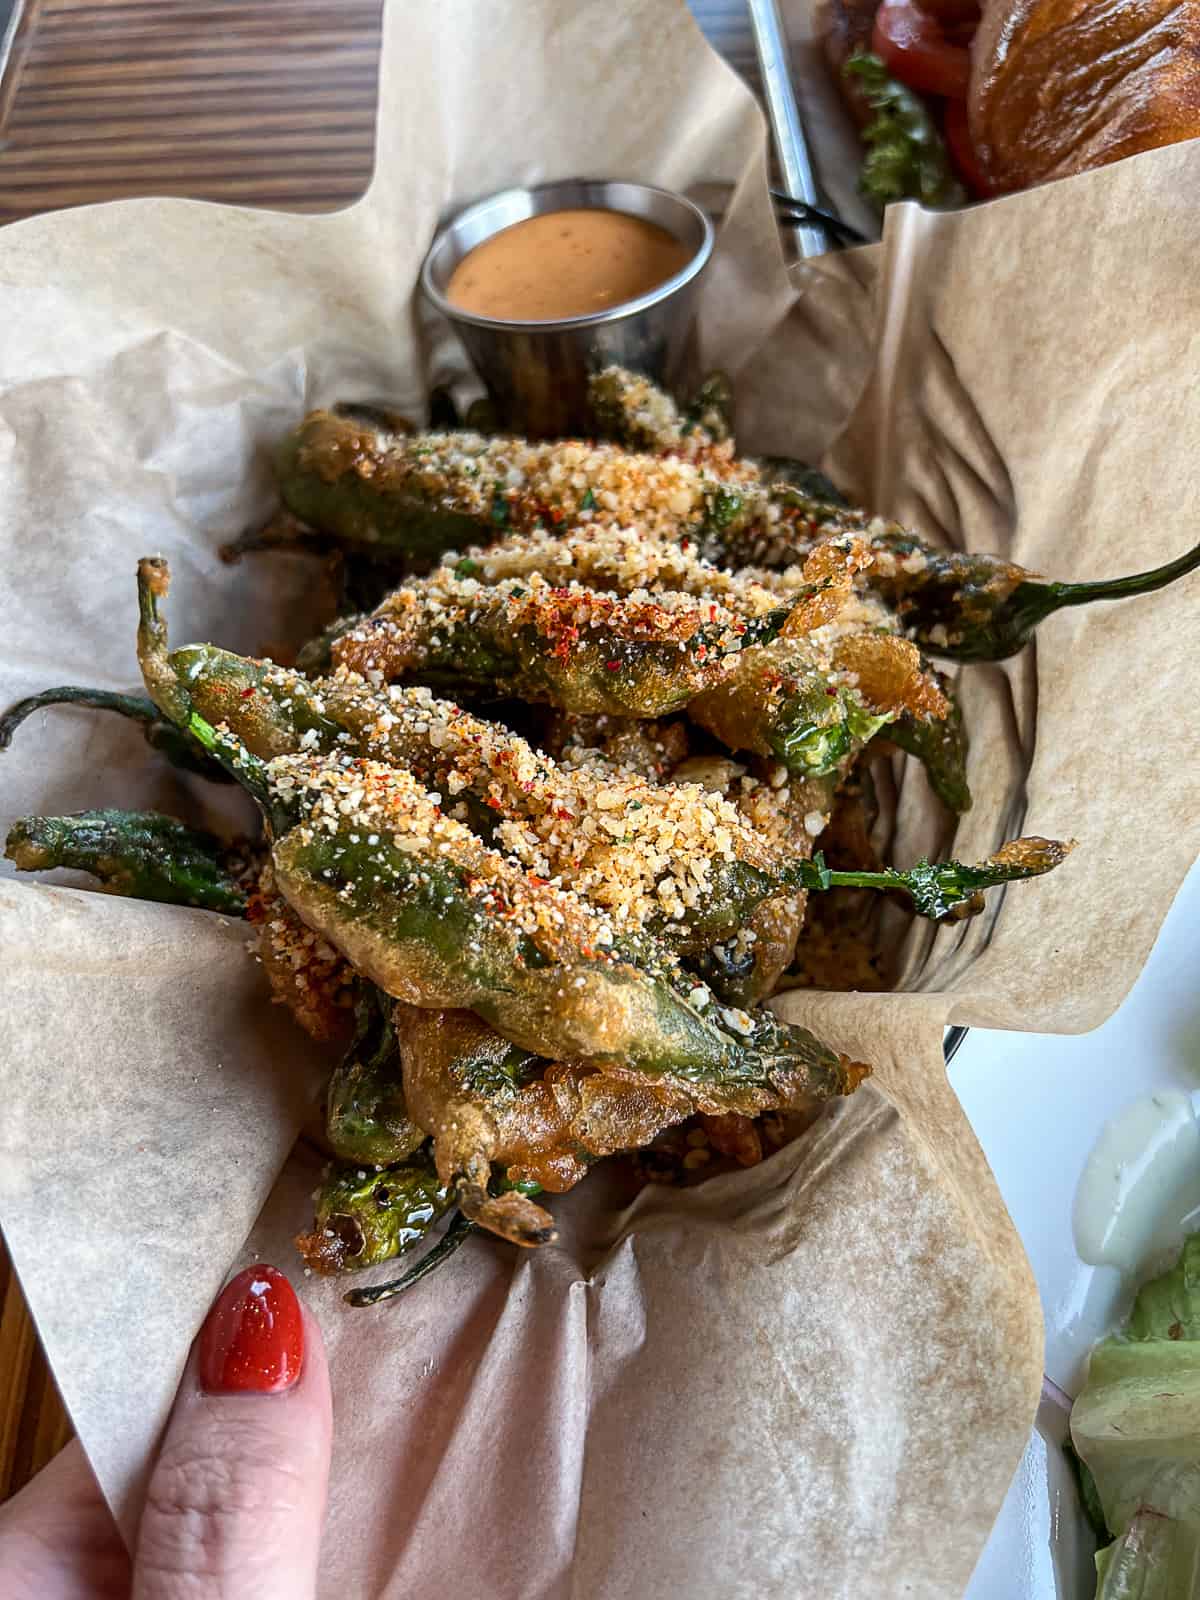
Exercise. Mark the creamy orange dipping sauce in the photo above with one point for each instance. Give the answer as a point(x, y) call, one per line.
point(565, 264)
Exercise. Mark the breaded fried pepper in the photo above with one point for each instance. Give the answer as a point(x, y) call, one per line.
point(571, 647)
point(432, 916)
point(959, 604)
point(370, 485)
point(814, 707)
point(366, 1216)
point(366, 1115)
point(142, 854)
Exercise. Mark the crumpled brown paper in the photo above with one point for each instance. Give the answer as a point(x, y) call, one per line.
point(816, 1376)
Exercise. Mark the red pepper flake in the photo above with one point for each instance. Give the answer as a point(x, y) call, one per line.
point(246, 693)
point(613, 666)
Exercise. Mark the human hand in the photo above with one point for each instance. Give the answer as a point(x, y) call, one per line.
point(236, 1499)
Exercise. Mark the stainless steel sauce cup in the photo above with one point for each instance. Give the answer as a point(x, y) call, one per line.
point(537, 372)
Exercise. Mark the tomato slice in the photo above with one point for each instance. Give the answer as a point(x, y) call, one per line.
point(913, 46)
point(962, 151)
point(956, 16)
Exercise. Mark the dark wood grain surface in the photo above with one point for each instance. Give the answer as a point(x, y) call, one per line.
point(268, 103)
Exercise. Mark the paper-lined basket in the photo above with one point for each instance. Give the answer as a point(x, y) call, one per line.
point(815, 1375)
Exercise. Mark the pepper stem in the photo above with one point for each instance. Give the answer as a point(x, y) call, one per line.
point(1030, 602)
point(1082, 594)
point(70, 695)
point(454, 1237)
point(173, 700)
point(942, 889)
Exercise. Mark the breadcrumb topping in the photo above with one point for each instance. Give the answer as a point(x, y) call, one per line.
point(513, 484)
point(305, 972)
point(637, 849)
point(384, 807)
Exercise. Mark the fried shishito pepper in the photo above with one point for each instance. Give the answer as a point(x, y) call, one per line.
point(142, 854)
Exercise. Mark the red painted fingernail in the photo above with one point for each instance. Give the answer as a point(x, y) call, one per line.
point(253, 1338)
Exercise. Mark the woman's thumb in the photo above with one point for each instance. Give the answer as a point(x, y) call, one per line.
point(237, 1497)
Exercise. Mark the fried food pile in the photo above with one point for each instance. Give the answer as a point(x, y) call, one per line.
point(539, 817)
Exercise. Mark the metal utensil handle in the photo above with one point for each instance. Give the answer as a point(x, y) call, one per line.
point(790, 145)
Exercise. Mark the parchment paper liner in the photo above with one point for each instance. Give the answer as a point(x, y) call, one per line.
point(813, 1377)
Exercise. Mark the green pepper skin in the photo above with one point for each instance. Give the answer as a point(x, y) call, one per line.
point(141, 854)
point(161, 735)
point(958, 604)
point(270, 708)
point(364, 1216)
point(778, 703)
point(332, 475)
point(617, 668)
point(817, 733)
point(941, 746)
point(366, 1118)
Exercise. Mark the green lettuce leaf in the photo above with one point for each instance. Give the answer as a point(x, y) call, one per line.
point(1136, 1425)
point(906, 156)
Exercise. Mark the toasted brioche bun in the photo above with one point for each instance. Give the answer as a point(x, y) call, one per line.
point(1058, 86)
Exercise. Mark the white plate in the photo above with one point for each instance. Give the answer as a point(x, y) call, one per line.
point(1037, 1103)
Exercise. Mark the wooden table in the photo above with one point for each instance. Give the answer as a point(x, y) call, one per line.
point(259, 102)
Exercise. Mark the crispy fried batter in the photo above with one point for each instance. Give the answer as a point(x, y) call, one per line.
point(890, 674)
point(734, 1136)
point(486, 1104)
point(305, 973)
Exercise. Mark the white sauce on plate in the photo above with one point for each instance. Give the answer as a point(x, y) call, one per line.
point(1139, 1194)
